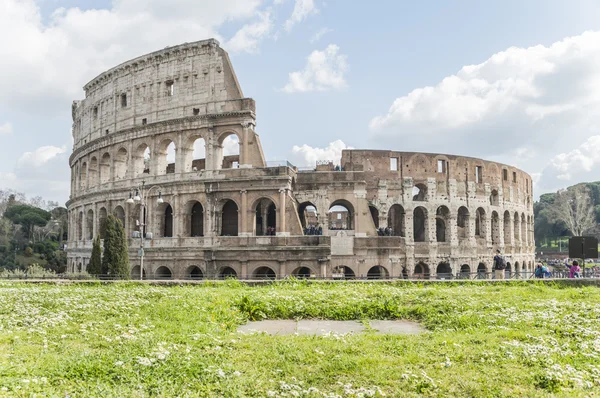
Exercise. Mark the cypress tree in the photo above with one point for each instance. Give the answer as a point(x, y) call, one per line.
point(95, 265)
point(115, 261)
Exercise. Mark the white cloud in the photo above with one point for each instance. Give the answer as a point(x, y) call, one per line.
point(40, 157)
point(302, 9)
point(6, 129)
point(319, 34)
point(518, 106)
point(324, 71)
point(249, 36)
point(307, 156)
point(74, 45)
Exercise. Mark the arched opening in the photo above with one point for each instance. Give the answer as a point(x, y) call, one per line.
point(167, 227)
point(374, 215)
point(264, 273)
point(197, 220)
point(420, 224)
point(341, 215)
point(80, 226)
point(227, 272)
point(89, 225)
point(309, 218)
point(229, 219)
point(194, 272)
point(83, 176)
point(523, 230)
point(265, 217)
point(508, 270)
point(419, 193)
point(197, 149)
point(343, 272)
point(481, 271)
point(506, 227)
point(480, 223)
point(378, 272)
point(302, 272)
point(135, 273)
point(443, 271)
point(102, 215)
point(119, 213)
point(121, 164)
point(495, 228)
point(93, 172)
point(105, 168)
point(163, 273)
point(396, 220)
point(166, 155)
point(516, 227)
point(404, 273)
point(421, 271)
point(442, 216)
point(79, 267)
point(141, 160)
point(465, 271)
point(494, 198)
point(462, 223)
point(228, 152)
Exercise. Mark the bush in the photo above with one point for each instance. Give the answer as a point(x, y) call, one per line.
point(35, 271)
point(28, 252)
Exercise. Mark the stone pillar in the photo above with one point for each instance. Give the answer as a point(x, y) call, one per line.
point(281, 225)
point(501, 232)
point(178, 216)
point(323, 270)
point(209, 226)
point(511, 232)
point(409, 232)
point(181, 155)
point(431, 235)
point(263, 216)
point(244, 214)
point(488, 229)
point(453, 230)
point(244, 274)
point(282, 272)
point(244, 161)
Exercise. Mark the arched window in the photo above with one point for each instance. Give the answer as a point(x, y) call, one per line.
point(229, 219)
point(396, 220)
point(494, 198)
point(121, 164)
point(442, 217)
point(480, 223)
point(119, 213)
point(465, 270)
point(89, 225)
point(228, 152)
point(168, 222)
point(341, 215)
point(166, 155)
point(105, 168)
point(420, 224)
point(197, 220)
point(83, 176)
point(93, 172)
point(195, 154)
point(462, 223)
point(141, 160)
point(507, 227)
point(308, 218)
point(419, 192)
point(481, 271)
point(265, 217)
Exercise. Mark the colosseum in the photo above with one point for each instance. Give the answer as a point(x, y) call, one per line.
point(173, 130)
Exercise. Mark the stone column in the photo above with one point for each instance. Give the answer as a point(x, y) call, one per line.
point(244, 213)
point(281, 225)
point(181, 155)
point(244, 161)
point(323, 270)
point(409, 232)
point(431, 235)
point(453, 230)
point(282, 272)
point(177, 216)
point(263, 216)
point(244, 274)
point(501, 232)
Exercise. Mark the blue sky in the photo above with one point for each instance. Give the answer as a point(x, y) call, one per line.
point(534, 107)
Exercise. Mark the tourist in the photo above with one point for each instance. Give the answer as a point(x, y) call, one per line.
point(539, 273)
point(499, 265)
point(575, 270)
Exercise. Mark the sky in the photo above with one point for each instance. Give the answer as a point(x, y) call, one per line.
point(514, 81)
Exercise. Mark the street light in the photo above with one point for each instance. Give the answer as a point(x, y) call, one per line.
point(140, 197)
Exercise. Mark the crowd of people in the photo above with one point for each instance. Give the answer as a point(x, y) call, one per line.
point(387, 231)
point(313, 230)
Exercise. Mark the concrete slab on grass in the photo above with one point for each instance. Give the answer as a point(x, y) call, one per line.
point(321, 327)
point(397, 327)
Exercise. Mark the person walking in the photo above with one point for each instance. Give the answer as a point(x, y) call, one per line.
point(499, 265)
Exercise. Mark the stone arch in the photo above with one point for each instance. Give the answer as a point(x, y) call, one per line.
point(516, 227)
point(264, 273)
point(104, 168)
point(462, 223)
point(443, 270)
point(495, 228)
point(229, 218)
point(135, 272)
point(508, 270)
point(420, 228)
point(442, 219)
point(345, 272)
point(494, 198)
point(523, 230)
point(374, 215)
point(397, 220)
point(465, 271)
point(196, 219)
point(227, 153)
point(341, 215)
point(142, 157)
point(166, 155)
point(481, 271)
point(163, 272)
point(195, 153)
point(194, 272)
point(309, 218)
point(83, 176)
point(119, 213)
point(265, 216)
point(120, 164)
point(79, 267)
point(89, 225)
point(227, 272)
point(302, 272)
point(102, 215)
point(378, 272)
point(419, 192)
point(93, 177)
point(480, 223)
point(421, 271)
point(164, 214)
point(507, 223)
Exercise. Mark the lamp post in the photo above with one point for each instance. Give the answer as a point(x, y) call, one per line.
point(141, 194)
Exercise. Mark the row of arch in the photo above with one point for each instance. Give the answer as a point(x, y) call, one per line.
point(101, 169)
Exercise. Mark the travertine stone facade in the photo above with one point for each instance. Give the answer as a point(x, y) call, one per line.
point(230, 214)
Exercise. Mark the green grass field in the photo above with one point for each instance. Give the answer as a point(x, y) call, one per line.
point(131, 340)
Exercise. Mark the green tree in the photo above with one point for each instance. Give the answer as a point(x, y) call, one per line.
point(115, 261)
point(94, 267)
point(27, 217)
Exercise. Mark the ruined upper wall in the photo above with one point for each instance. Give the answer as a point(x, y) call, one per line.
point(186, 80)
point(442, 167)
